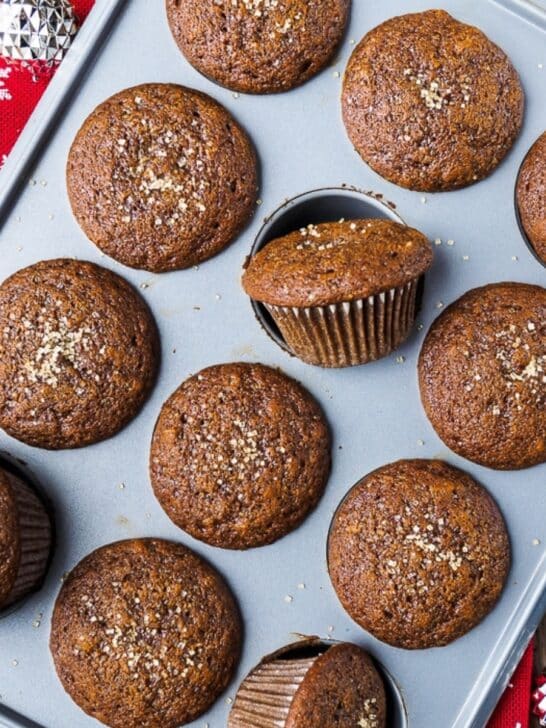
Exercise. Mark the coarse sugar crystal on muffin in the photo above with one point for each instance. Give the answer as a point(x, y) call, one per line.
point(161, 177)
point(258, 46)
point(482, 375)
point(145, 634)
point(342, 293)
point(531, 196)
point(431, 103)
point(312, 683)
point(240, 455)
point(78, 354)
point(25, 539)
point(418, 553)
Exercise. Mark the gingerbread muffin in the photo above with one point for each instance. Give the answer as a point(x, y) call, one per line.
point(25, 539)
point(482, 374)
point(258, 46)
point(341, 293)
point(145, 634)
point(78, 354)
point(531, 196)
point(418, 553)
point(240, 455)
point(312, 683)
point(161, 177)
point(431, 103)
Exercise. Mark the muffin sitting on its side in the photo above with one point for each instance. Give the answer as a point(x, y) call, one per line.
point(145, 633)
point(312, 684)
point(240, 455)
point(431, 103)
point(482, 375)
point(418, 553)
point(531, 196)
point(342, 293)
point(25, 539)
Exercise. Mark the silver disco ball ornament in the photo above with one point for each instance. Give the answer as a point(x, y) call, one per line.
point(36, 30)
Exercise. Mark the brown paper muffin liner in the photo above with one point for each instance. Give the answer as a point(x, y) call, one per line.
point(349, 333)
point(35, 539)
point(265, 696)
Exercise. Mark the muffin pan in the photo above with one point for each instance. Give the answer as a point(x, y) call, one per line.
point(102, 493)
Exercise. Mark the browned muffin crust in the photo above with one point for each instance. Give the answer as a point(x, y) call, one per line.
point(431, 103)
point(531, 196)
point(482, 375)
point(335, 262)
point(258, 46)
point(161, 177)
point(341, 690)
point(145, 634)
point(418, 553)
point(78, 353)
point(240, 455)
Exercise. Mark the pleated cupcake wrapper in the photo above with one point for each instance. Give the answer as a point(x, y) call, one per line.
point(352, 332)
point(35, 539)
point(265, 696)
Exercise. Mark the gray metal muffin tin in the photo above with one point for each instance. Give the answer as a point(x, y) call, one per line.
point(102, 493)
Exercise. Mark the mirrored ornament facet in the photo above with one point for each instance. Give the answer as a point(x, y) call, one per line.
point(36, 30)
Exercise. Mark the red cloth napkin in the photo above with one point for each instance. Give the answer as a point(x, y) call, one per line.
point(19, 94)
point(514, 706)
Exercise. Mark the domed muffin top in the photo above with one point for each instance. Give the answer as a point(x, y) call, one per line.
point(78, 353)
point(161, 177)
point(531, 196)
point(240, 455)
point(482, 375)
point(258, 46)
point(9, 537)
point(418, 553)
point(145, 633)
point(431, 103)
point(316, 683)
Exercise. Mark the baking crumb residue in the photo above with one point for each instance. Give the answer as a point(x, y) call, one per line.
point(284, 21)
point(369, 719)
point(434, 96)
point(425, 547)
point(312, 237)
point(58, 344)
point(166, 170)
point(132, 632)
point(521, 366)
